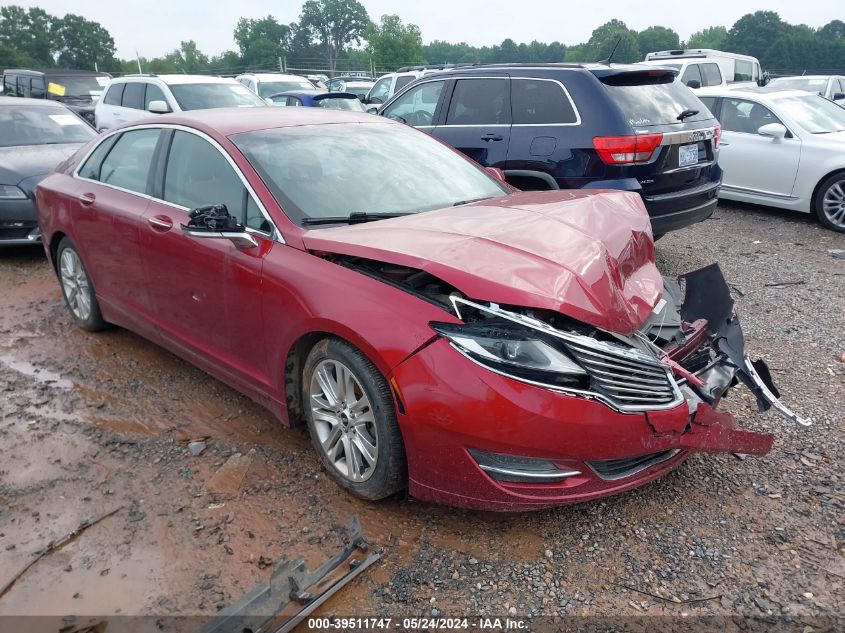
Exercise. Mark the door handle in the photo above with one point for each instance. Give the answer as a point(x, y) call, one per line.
point(492, 137)
point(160, 223)
point(723, 144)
point(87, 199)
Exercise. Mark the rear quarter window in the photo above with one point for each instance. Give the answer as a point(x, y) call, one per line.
point(114, 94)
point(647, 99)
point(538, 102)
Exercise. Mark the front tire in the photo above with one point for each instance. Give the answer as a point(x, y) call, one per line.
point(351, 418)
point(77, 290)
point(829, 203)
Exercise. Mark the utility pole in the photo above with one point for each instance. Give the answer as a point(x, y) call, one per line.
point(138, 59)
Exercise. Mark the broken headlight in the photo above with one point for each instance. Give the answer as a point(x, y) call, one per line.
point(515, 351)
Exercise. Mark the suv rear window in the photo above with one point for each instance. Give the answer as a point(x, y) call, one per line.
point(648, 98)
point(537, 102)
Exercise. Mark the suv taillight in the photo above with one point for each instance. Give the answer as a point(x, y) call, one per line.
point(620, 150)
point(717, 135)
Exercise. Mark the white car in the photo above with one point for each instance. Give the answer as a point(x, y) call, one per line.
point(266, 85)
point(782, 149)
point(700, 68)
point(135, 97)
point(829, 86)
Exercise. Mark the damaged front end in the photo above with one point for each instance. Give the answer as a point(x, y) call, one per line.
point(674, 369)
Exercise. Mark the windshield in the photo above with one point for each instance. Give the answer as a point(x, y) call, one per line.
point(37, 125)
point(799, 83)
point(203, 96)
point(647, 99)
point(76, 85)
point(340, 103)
point(270, 88)
point(319, 171)
point(815, 114)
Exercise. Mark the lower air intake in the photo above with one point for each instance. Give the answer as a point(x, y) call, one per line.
point(610, 469)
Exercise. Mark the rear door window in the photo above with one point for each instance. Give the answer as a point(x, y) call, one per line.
point(646, 99)
point(538, 102)
point(401, 82)
point(692, 76)
point(133, 95)
point(114, 94)
point(479, 102)
point(128, 163)
point(711, 74)
point(23, 88)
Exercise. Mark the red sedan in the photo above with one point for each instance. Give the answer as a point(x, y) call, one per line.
point(434, 328)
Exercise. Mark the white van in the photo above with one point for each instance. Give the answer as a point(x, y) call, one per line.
point(707, 68)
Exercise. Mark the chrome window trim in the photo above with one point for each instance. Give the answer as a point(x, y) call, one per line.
point(274, 234)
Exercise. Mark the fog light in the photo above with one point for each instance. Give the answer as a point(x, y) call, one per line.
point(34, 235)
point(517, 469)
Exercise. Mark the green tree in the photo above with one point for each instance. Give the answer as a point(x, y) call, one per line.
point(26, 33)
point(334, 24)
point(657, 38)
point(754, 33)
point(713, 37)
point(81, 43)
point(604, 39)
point(834, 29)
point(188, 58)
point(393, 44)
point(225, 62)
point(263, 41)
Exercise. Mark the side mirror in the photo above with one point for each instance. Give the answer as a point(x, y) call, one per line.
point(775, 130)
point(497, 173)
point(269, 101)
point(372, 110)
point(695, 84)
point(215, 221)
point(158, 107)
point(375, 100)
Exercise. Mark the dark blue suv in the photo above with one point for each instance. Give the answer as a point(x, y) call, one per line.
point(570, 126)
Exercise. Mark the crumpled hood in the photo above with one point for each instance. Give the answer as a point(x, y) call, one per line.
point(23, 162)
point(586, 254)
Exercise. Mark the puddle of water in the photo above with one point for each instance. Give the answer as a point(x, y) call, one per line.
point(38, 374)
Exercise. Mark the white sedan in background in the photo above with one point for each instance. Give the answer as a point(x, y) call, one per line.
point(782, 149)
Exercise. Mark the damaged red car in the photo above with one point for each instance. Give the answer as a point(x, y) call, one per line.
point(432, 327)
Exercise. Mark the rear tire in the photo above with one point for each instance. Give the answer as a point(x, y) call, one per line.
point(829, 202)
point(351, 417)
point(77, 289)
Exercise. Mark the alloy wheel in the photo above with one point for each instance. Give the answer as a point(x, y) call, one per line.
point(75, 284)
point(343, 418)
point(833, 203)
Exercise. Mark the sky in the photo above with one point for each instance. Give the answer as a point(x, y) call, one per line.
point(156, 28)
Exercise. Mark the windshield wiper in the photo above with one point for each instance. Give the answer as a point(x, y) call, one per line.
point(355, 217)
point(460, 202)
point(686, 114)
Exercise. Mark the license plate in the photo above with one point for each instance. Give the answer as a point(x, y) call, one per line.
point(687, 155)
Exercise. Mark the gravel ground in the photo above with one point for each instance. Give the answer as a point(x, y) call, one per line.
point(94, 422)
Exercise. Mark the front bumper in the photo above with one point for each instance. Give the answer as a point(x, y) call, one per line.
point(18, 223)
point(451, 410)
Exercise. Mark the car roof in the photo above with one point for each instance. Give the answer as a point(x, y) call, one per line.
point(55, 71)
point(314, 93)
point(804, 77)
point(182, 79)
point(25, 102)
point(229, 121)
point(755, 94)
point(268, 76)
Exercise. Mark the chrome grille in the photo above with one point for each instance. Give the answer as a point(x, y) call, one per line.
point(611, 469)
point(628, 377)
